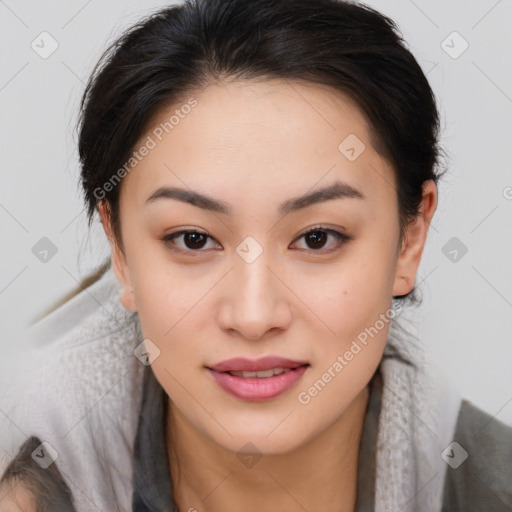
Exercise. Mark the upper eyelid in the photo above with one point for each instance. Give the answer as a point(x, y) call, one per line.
point(177, 234)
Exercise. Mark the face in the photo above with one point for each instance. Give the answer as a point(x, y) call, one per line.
point(274, 268)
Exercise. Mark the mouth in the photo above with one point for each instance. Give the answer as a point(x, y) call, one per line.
point(258, 385)
point(267, 363)
point(262, 374)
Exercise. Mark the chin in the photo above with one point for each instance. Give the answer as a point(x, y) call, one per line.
point(261, 441)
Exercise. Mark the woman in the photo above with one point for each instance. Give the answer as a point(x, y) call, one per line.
point(266, 174)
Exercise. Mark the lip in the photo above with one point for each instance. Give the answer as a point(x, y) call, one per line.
point(257, 389)
point(239, 364)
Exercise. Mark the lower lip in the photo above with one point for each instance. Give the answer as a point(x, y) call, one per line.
point(256, 388)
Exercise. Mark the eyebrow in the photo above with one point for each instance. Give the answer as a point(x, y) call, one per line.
point(338, 190)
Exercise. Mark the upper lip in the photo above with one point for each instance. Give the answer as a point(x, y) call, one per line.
point(240, 364)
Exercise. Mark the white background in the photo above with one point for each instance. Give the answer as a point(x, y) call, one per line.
point(466, 317)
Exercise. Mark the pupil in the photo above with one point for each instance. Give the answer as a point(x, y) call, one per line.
point(193, 237)
point(317, 237)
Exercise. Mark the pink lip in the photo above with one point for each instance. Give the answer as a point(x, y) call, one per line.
point(239, 364)
point(256, 388)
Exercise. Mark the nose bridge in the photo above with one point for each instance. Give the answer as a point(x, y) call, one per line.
point(254, 280)
point(256, 302)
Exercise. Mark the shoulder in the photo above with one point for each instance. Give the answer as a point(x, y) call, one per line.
point(479, 473)
point(71, 358)
point(79, 390)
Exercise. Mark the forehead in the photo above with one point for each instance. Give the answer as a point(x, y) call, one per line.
point(254, 134)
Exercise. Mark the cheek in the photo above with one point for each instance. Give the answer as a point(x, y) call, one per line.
point(348, 296)
point(171, 310)
point(165, 292)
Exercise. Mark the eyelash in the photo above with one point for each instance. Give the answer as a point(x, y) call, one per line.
point(340, 237)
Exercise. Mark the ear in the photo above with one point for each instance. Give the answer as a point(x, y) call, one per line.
point(414, 242)
point(119, 264)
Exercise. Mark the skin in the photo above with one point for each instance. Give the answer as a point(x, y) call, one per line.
point(255, 145)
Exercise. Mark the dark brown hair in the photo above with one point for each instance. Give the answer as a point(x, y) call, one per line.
point(47, 487)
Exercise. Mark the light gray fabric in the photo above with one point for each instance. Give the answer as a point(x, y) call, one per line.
point(417, 422)
point(80, 390)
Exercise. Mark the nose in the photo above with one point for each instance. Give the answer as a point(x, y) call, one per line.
point(256, 302)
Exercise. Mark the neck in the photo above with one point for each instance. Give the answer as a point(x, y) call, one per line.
point(320, 475)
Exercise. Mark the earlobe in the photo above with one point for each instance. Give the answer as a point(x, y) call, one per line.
point(127, 299)
point(414, 242)
point(120, 267)
point(119, 264)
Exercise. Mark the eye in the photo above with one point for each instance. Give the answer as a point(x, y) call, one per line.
point(193, 239)
point(317, 237)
